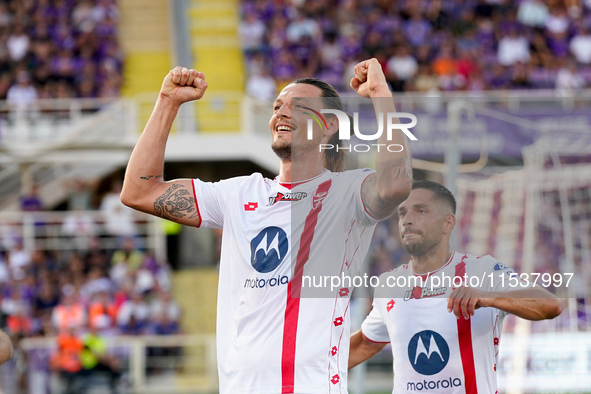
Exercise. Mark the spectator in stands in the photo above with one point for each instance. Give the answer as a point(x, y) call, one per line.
point(31, 201)
point(464, 23)
point(79, 228)
point(580, 46)
point(66, 359)
point(557, 22)
point(165, 314)
point(18, 43)
point(134, 315)
point(96, 282)
point(445, 66)
point(568, 80)
point(302, 26)
point(426, 80)
point(105, 9)
point(400, 68)
point(70, 312)
point(513, 48)
point(331, 52)
point(144, 279)
point(533, 13)
point(5, 17)
point(102, 313)
point(22, 95)
point(119, 219)
point(82, 16)
point(468, 42)
point(96, 358)
point(467, 67)
point(437, 16)
point(45, 301)
point(18, 261)
point(520, 77)
point(252, 33)
point(417, 29)
point(262, 86)
point(541, 56)
point(18, 313)
point(498, 78)
point(20, 323)
point(128, 254)
point(284, 68)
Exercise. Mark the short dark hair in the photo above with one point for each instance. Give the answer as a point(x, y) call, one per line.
point(440, 192)
point(334, 159)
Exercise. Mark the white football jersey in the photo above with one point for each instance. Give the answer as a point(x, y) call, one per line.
point(271, 336)
point(433, 351)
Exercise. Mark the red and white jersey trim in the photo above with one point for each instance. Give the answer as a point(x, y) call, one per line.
point(272, 336)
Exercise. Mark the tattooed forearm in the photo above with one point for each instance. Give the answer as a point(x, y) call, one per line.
point(374, 204)
point(176, 203)
point(401, 169)
point(148, 177)
point(382, 196)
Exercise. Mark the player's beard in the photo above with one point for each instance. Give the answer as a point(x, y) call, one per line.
point(420, 248)
point(282, 149)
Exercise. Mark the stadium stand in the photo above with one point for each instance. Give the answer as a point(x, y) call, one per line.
point(465, 46)
point(83, 275)
point(60, 49)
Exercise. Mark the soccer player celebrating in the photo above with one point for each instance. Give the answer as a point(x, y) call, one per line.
point(269, 338)
point(443, 311)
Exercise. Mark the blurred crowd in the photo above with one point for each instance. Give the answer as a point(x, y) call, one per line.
point(126, 291)
point(423, 46)
point(59, 49)
point(87, 291)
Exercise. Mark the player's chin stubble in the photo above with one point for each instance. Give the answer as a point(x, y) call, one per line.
point(416, 249)
point(282, 150)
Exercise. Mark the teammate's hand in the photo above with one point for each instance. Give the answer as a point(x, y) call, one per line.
point(182, 84)
point(463, 301)
point(369, 79)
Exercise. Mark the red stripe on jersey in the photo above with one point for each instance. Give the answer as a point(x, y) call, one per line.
point(465, 341)
point(294, 290)
point(196, 203)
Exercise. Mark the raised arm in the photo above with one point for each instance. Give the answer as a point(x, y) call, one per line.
point(362, 349)
point(383, 191)
point(144, 187)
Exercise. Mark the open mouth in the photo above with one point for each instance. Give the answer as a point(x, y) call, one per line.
point(283, 129)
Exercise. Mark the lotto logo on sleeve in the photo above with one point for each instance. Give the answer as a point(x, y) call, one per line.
point(268, 249)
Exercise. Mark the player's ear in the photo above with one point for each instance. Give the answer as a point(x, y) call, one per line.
point(333, 125)
point(449, 223)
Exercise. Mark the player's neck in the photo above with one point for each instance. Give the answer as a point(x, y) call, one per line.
point(299, 173)
point(430, 262)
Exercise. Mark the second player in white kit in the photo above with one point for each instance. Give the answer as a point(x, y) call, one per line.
point(435, 350)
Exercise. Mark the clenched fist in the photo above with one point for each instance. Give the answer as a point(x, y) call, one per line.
point(182, 84)
point(369, 80)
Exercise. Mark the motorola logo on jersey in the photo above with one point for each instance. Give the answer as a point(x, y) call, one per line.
point(268, 249)
point(428, 352)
